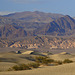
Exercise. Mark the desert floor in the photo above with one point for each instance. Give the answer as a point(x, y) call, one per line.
point(66, 69)
point(8, 59)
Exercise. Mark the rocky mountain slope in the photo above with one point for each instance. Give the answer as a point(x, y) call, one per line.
point(27, 25)
point(28, 20)
point(11, 31)
point(15, 28)
point(62, 26)
point(45, 42)
point(23, 31)
point(39, 42)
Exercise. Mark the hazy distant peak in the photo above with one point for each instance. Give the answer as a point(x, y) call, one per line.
point(35, 16)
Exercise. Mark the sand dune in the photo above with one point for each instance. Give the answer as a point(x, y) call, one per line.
point(28, 52)
point(66, 69)
point(61, 56)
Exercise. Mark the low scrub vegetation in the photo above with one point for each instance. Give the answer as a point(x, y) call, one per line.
point(24, 66)
point(58, 62)
point(43, 60)
point(40, 60)
point(34, 65)
point(67, 61)
point(21, 67)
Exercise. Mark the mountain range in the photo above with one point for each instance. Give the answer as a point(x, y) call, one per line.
point(35, 30)
point(62, 26)
point(35, 16)
point(12, 31)
point(25, 24)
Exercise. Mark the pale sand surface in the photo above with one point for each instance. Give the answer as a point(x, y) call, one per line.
point(66, 69)
point(27, 52)
point(62, 57)
point(5, 65)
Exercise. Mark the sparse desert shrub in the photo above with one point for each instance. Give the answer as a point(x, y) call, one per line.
point(40, 59)
point(16, 67)
point(21, 67)
point(50, 60)
point(44, 60)
point(67, 61)
point(24, 66)
point(58, 62)
point(47, 61)
point(10, 69)
point(34, 65)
